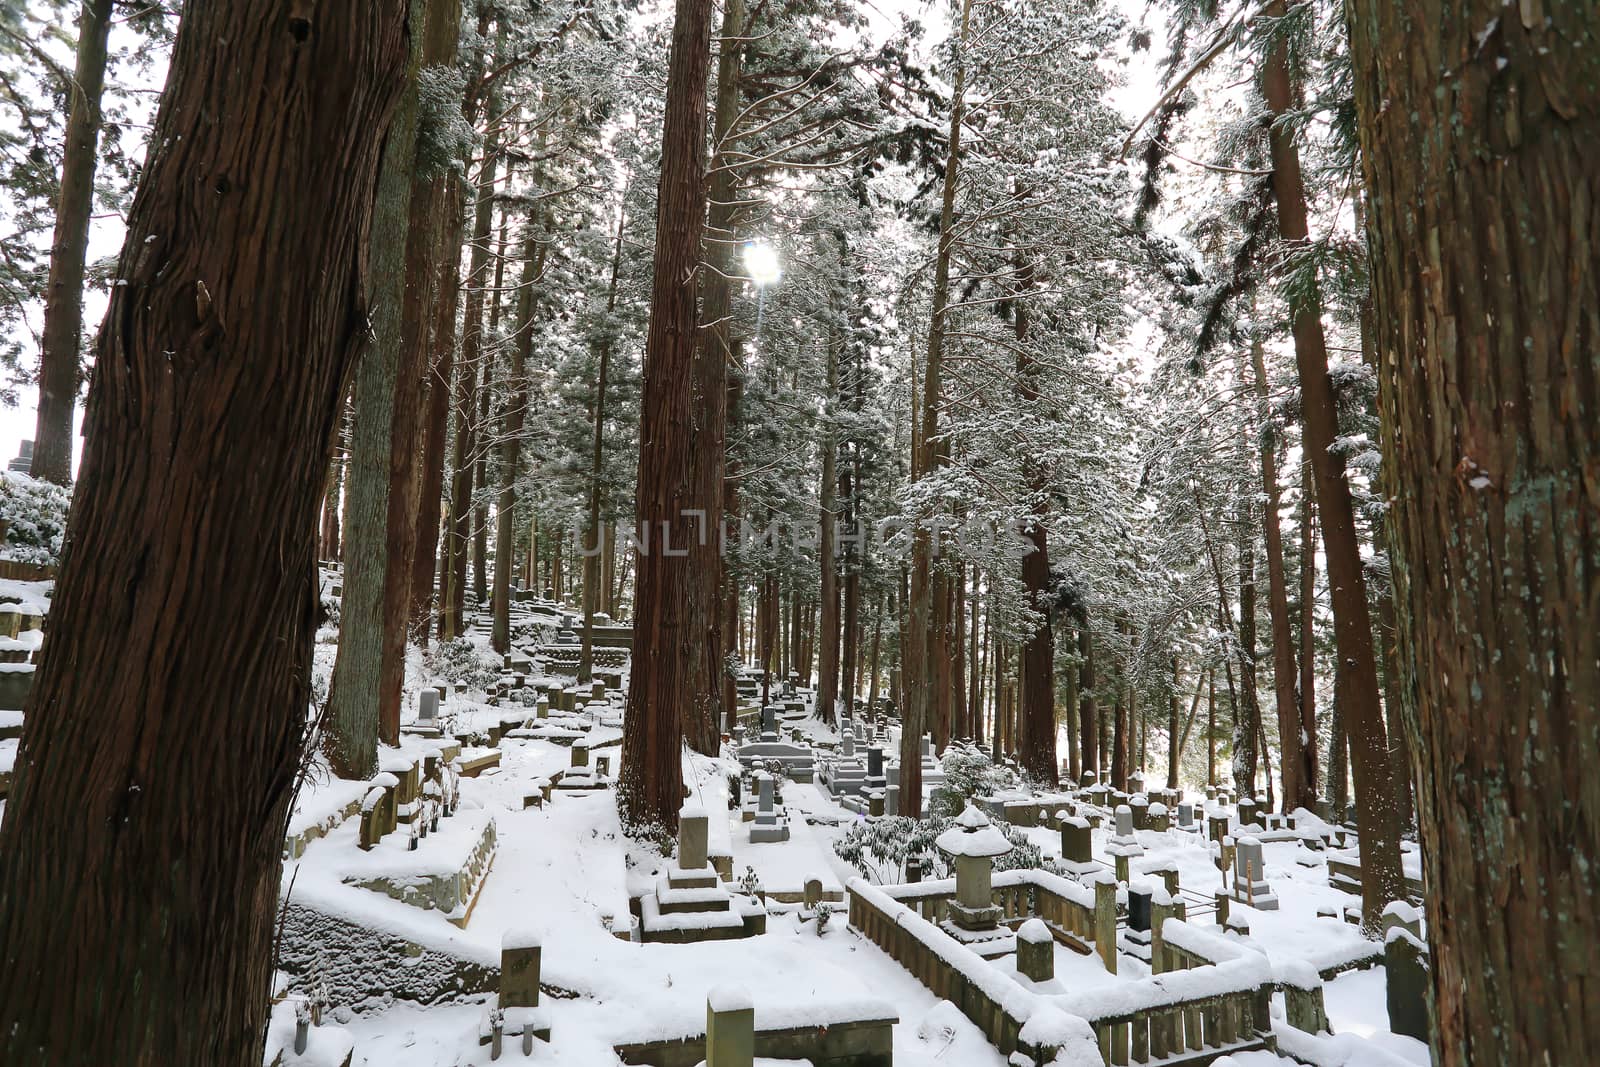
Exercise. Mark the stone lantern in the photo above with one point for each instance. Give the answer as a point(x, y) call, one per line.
point(973, 843)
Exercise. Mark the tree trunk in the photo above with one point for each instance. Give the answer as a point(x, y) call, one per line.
point(1087, 714)
point(1381, 878)
point(1211, 726)
point(731, 513)
point(458, 526)
point(356, 712)
point(62, 338)
point(1393, 702)
point(595, 540)
point(1247, 749)
point(1299, 774)
point(1308, 620)
point(166, 722)
point(512, 421)
point(923, 646)
point(664, 683)
point(828, 650)
point(1036, 671)
point(1483, 236)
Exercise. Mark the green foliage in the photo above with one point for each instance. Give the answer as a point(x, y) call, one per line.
point(35, 513)
point(459, 661)
point(879, 848)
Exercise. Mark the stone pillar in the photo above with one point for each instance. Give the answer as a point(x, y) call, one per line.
point(974, 883)
point(875, 761)
point(1105, 922)
point(1036, 951)
point(730, 1028)
point(1160, 912)
point(693, 831)
point(519, 969)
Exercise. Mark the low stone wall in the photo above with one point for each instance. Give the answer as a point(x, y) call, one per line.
point(1013, 1019)
point(840, 1043)
point(1210, 996)
point(365, 969)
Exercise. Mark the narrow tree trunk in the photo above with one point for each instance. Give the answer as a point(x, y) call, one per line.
point(923, 648)
point(512, 421)
point(444, 262)
point(1174, 738)
point(59, 344)
point(1247, 734)
point(1087, 713)
point(1211, 727)
point(827, 561)
point(731, 513)
point(1483, 236)
point(663, 683)
point(1308, 621)
point(1036, 671)
point(1381, 878)
point(1299, 773)
point(356, 712)
point(595, 540)
point(142, 837)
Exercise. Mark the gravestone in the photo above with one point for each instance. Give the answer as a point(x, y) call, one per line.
point(1185, 816)
point(1249, 812)
point(693, 832)
point(768, 826)
point(1076, 844)
point(1124, 820)
point(1036, 951)
point(1405, 963)
point(813, 893)
point(730, 1028)
point(519, 969)
point(428, 705)
point(1250, 877)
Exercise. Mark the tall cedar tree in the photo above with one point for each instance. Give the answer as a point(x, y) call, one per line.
point(665, 651)
point(1480, 133)
point(63, 306)
point(1376, 811)
point(139, 855)
point(356, 716)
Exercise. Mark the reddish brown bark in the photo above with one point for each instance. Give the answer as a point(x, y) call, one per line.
point(141, 842)
point(62, 335)
point(1480, 151)
point(1379, 826)
point(664, 653)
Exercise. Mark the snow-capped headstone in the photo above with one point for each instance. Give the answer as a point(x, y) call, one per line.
point(428, 705)
point(519, 969)
point(1036, 951)
point(730, 1028)
point(693, 830)
point(1249, 877)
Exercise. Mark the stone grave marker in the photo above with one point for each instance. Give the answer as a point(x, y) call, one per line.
point(1036, 951)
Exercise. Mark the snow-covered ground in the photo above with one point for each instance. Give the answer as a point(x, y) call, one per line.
point(567, 871)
